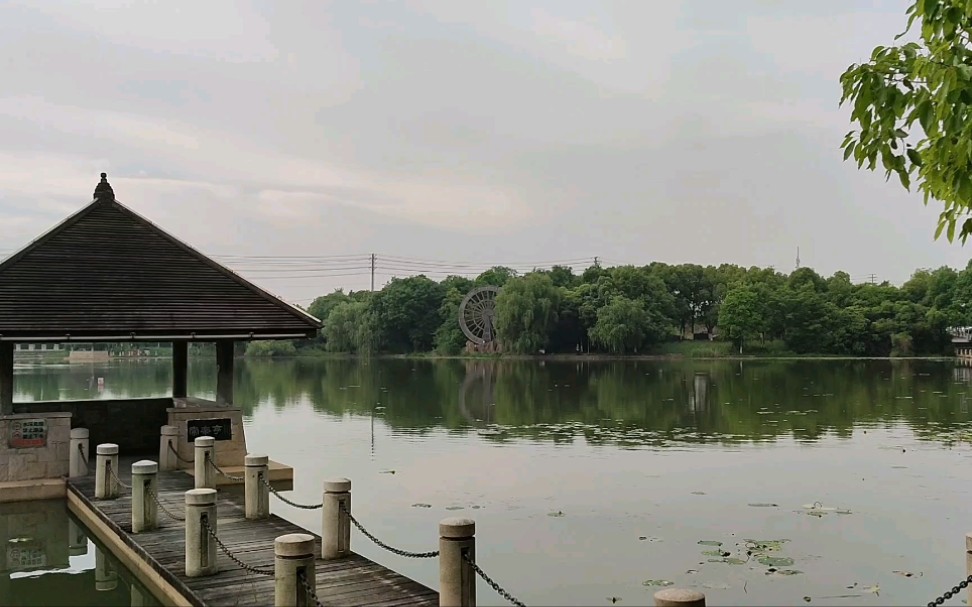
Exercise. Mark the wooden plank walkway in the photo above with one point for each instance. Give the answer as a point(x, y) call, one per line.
point(353, 580)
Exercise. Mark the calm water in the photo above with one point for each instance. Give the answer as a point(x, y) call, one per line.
point(49, 559)
point(588, 479)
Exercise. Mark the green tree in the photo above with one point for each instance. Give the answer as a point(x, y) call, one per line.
point(407, 313)
point(742, 315)
point(621, 325)
point(912, 104)
point(526, 313)
point(351, 328)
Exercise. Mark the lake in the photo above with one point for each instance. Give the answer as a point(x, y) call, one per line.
point(827, 482)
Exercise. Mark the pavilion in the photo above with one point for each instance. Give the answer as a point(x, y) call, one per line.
point(106, 274)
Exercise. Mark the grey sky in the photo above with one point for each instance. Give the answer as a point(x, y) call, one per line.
point(699, 131)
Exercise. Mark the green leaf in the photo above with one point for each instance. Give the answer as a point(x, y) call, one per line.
point(951, 230)
point(913, 156)
point(849, 150)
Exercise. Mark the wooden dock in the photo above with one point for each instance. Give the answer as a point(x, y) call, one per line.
point(158, 556)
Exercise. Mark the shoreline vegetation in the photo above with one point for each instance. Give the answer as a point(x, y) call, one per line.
point(655, 311)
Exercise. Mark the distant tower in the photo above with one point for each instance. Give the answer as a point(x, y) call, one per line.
point(798, 258)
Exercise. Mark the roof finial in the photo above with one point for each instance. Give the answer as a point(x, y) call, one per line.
point(103, 191)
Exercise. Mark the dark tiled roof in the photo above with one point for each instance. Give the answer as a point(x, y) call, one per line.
point(108, 272)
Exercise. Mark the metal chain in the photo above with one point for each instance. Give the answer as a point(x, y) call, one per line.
point(158, 503)
point(287, 501)
point(235, 479)
point(302, 578)
point(398, 551)
point(84, 458)
point(179, 457)
point(950, 593)
point(250, 568)
point(503, 593)
point(115, 476)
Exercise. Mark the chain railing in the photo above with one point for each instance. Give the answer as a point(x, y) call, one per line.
point(398, 551)
point(499, 589)
point(287, 501)
point(111, 473)
point(84, 458)
point(311, 592)
point(179, 457)
point(950, 593)
point(212, 462)
point(233, 557)
point(162, 507)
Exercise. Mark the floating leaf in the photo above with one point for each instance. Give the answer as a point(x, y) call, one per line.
point(907, 573)
point(783, 572)
point(775, 561)
point(875, 589)
point(387, 472)
point(556, 514)
point(698, 493)
point(806, 599)
point(719, 553)
point(709, 543)
point(764, 505)
point(421, 505)
point(656, 583)
point(454, 507)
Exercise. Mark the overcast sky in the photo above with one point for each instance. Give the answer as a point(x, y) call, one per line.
point(457, 132)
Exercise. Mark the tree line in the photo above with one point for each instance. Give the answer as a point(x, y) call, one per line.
point(642, 310)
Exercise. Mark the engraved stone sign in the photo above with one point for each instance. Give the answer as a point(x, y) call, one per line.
point(27, 433)
point(220, 429)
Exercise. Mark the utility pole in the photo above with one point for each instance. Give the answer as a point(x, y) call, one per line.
point(597, 264)
point(873, 279)
point(798, 258)
point(372, 271)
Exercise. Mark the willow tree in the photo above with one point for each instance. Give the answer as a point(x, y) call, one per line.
point(912, 108)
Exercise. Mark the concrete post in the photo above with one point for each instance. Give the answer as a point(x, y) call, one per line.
point(293, 554)
point(80, 453)
point(105, 486)
point(145, 510)
point(968, 563)
point(106, 578)
point(255, 492)
point(679, 597)
point(336, 522)
point(457, 580)
point(200, 545)
point(205, 447)
point(167, 456)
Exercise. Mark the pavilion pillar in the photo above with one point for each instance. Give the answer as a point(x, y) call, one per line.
point(180, 368)
point(224, 372)
point(6, 377)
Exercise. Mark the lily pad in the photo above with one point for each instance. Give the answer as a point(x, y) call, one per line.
point(656, 583)
point(698, 493)
point(556, 514)
point(764, 505)
point(455, 507)
point(709, 543)
point(907, 573)
point(784, 572)
point(719, 553)
point(421, 505)
point(775, 561)
point(387, 472)
point(728, 561)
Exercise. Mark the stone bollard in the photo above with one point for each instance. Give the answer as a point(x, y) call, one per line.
point(679, 597)
point(255, 493)
point(145, 510)
point(293, 554)
point(168, 443)
point(200, 545)
point(968, 563)
point(106, 488)
point(204, 452)
point(336, 524)
point(457, 580)
point(106, 578)
point(78, 458)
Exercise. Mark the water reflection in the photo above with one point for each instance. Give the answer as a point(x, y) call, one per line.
point(649, 403)
point(49, 559)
